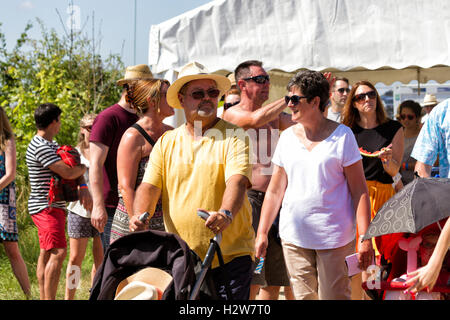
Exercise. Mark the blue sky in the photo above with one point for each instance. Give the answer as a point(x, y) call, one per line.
point(114, 21)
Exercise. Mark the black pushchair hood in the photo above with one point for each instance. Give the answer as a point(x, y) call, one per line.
point(139, 250)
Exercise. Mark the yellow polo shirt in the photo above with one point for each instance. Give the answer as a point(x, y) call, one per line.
point(192, 174)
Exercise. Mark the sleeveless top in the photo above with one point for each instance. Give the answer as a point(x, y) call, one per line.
point(156, 222)
point(373, 140)
point(8, 225)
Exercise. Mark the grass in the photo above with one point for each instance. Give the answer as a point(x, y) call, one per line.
point(29, 248)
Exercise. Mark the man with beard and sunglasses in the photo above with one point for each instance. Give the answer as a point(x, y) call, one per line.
point(339, 94)
point(203, 164)
point(262, 124)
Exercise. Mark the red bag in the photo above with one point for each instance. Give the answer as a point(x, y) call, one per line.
point(65, 189)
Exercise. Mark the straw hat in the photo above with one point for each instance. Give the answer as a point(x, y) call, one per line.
point(429, 100)
point(138, 72)
point(232, 79)
point(194, 71)
point(146, 284)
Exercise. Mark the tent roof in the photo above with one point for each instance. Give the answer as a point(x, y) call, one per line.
point(380, 41)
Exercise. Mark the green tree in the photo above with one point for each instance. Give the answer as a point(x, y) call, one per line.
point(63, 70)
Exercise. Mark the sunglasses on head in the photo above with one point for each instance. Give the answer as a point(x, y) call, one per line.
point(362, 96)
point(259, 79)
point(409, 116)
point(342, 90)
point(201, 94)
point(295, 99)
point(88, 128)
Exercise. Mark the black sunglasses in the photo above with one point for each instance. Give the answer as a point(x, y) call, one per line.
point(201, 94)
point(342, 90)
point(409, 116)
point(362, 96)
point(230, 104)
point(295, 99)
point(259, 79)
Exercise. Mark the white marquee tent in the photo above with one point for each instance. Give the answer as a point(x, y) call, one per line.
point(376, 40)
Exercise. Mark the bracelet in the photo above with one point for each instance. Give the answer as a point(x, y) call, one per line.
point(83, 186)
point(360, 238)
point(406, 165)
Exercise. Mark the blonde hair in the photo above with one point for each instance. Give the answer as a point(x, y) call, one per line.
point(6, 132)
point(87, 119)
point(140, 90)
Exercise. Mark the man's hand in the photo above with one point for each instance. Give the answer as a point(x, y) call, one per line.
point(217, 221)
point(99, 217)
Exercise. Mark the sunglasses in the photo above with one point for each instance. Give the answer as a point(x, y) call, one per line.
point(362, 96)
point(229, 104)
point(88, 128)
point(295, 99)
point(342, 90)
point(201, 94)
point(409, 116)
point(259, 79)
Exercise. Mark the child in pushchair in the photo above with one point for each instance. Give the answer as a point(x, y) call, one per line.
point(403, 253)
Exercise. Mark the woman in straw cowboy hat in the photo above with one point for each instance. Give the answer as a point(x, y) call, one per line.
point(148, 97)
point(105, 137)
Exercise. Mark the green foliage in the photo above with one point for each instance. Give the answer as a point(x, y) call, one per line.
point(66, 71)
point(61, 70)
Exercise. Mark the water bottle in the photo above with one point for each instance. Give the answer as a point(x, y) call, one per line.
point(259, 266)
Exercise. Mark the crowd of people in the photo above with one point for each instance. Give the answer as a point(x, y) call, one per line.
point(296, 188)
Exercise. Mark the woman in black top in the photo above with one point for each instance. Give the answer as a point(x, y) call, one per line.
point(380, 141)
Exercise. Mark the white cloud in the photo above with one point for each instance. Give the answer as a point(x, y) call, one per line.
point(27, 5)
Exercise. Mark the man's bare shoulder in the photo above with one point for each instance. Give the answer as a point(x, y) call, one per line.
point(236, 111)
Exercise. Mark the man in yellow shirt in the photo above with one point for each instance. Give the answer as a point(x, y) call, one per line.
point(204, 163)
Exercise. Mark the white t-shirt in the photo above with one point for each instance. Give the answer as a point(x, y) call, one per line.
point(317, 210)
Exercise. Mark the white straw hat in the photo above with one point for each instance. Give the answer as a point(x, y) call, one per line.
point(429, 100)
point(138, 290)
point(146, 284)
point(194, 71)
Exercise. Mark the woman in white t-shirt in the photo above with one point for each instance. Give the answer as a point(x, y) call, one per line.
point(318, 181)
point(79, 227)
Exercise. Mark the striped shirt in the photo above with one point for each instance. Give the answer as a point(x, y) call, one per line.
point(41, 153)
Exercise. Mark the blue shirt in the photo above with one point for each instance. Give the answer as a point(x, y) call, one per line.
point(434, 139)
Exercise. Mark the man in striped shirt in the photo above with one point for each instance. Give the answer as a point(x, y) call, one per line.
point(43, 161)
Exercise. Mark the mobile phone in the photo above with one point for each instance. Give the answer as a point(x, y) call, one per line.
point(352, 264)
point(144, 216)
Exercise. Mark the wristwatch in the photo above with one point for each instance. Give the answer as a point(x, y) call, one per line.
point(227, 213)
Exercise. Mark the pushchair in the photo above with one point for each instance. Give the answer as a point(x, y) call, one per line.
point(162, 250)
point(402, 253)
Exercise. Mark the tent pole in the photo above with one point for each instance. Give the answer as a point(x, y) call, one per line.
point(418, 82)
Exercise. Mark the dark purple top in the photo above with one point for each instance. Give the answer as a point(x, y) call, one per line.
point(108, 128)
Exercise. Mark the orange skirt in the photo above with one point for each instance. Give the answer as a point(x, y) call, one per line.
point(379, 193)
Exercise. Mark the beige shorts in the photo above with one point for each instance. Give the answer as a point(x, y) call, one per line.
point(318, 274)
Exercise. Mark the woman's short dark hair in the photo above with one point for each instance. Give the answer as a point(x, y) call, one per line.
point(412, 105)
point(312, 84)
point(45, 114)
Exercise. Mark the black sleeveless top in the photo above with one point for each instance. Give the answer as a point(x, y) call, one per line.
point(373, 140)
